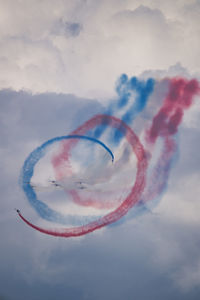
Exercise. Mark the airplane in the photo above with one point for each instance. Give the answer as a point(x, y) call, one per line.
point(78, 184)
point(55, 183)
point(61, 185)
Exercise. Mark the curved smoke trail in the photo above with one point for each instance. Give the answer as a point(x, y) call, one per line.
point(130, 200)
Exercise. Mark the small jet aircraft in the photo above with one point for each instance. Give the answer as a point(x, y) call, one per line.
point(71, 185)
point(55, 183)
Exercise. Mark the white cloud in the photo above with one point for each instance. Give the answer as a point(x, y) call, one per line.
point(39, 54)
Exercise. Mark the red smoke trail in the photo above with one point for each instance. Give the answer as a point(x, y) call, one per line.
point(179, 98)
point(130, 200)
point(90, 201)
point(165, 125)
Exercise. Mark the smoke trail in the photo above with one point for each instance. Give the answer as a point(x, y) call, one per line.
point(132, 90)
point(179, 98)
point(129, 201)
point(164, 127)
point(143, 90)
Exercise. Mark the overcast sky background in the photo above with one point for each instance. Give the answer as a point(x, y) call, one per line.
point(59, 63)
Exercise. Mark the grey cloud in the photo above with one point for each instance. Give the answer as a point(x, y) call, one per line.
point(73, 29)
point(60, 268)
point(67, 29)
point(173, 71)
point(141, 11)
point(149, 257)
point(145, 20)
point(40, 114)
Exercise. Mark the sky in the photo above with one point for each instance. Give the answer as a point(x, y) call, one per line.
point(60, 65)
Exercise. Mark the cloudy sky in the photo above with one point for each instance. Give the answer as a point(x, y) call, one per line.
point(59, 62)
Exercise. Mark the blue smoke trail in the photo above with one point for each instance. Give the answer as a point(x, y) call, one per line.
point(125, 88)
point(27, 172)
